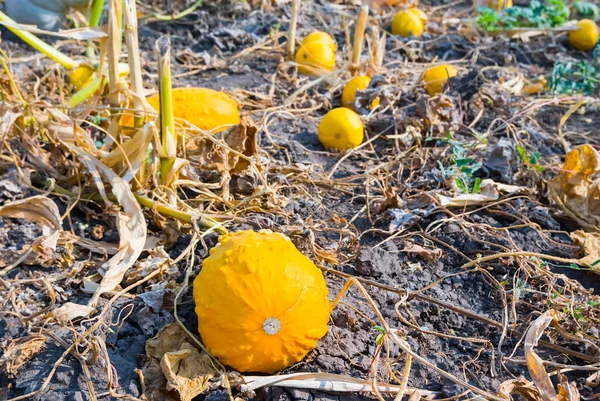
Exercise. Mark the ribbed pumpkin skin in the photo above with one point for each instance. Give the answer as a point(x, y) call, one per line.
point(251, 277)
point(207, 109)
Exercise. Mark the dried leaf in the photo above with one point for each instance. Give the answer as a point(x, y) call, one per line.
point(575, 190)
point(157, 260)
point(75, 34)
point(521, 386)
point(70, 311)
point(188, 371)
point(41, 210)
point(170, 356)
point(225, 154)
point(19, 351)
point(534, 362)
point(429, 254)
point(590, 245)
point(489, 191)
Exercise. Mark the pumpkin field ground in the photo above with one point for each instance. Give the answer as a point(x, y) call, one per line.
point(382, 213)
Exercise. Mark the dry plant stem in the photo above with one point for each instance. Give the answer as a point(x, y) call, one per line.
point(359, 33)
point(167, 119)
point(405, 375)
point(114, 50)
point(517, 254)
point(291, 43)
point(40, 45)
point(133, 55)
point(404, 346)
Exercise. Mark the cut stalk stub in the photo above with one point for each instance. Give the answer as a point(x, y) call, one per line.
point(167, 119)
point(359, 33)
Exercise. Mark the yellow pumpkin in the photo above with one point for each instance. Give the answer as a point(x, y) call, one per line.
point(436, 77)
point(419, 13)
point(349, 93)
point(261, 304)
point(315, 58)
point(585, 38)
point(322, 37)
point(341, 129)
point(407, 23)
point(205, 108)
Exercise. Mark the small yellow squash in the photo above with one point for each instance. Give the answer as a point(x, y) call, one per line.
point(585, 38)
point(205, 108)
point(349, 94)
point(318, 36)
point(407, 23)
point(261, 304)
point(341, 129)
point(315, 58)
point(436, 77)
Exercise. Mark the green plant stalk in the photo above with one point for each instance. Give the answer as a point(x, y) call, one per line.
point(95, 15)
point(39, 44)
point(167, 117)
point(86, 92)
point(96, 12)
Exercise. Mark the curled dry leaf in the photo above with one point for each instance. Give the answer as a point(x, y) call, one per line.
point(173, 363)
point(70, 311)
point(225, 151)
point(19, 351)
point(590, 246)
point(520, 386)
point(535, 364)
point(188, 371)
point(576, 191)
point(489, 191)
point(40, 210)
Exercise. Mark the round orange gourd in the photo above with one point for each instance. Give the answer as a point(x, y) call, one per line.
point(341, 129)
point(322, 37)
point(585, 38)
point(261, 304)
point(315, 58)
point(407, 23)
point(349, 93)
point(436, 77)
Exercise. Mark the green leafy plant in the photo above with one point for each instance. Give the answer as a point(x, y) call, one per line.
point(575, 77)
point(530, 159)
point(538, 14)
point(587, 9)
point(462, 169)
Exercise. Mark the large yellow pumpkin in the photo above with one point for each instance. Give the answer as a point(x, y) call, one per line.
point(205, 108)
point(261, 304)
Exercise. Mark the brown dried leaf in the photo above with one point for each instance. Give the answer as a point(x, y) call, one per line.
point(489, 191)
point(567, 391)
point(224, 154)
point(172, 363)
point(188, 371)
point(534, 362)
point(520, 386)
point(590, 245)
point(576, 191)
point(20, 351)
point(429, 254)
